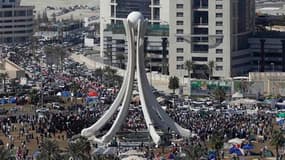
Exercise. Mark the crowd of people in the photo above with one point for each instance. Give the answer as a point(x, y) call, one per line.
point(65, 124)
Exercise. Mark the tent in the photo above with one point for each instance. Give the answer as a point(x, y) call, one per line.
point(235, 141)
point(245, 101)
point(237, 95)
point(92, 94)
point(3, 101)
point(65, 94)
point(247, 146)
point(12, 100)
point(91, 99)
point(237, 151)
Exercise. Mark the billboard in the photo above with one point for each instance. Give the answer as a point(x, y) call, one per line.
point(206, 87)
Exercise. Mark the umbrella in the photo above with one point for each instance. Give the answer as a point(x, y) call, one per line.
point(247, 147)
point(236, 151)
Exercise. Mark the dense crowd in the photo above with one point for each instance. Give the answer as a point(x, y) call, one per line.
point(63, 125)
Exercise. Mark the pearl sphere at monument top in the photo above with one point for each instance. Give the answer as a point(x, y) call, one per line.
point(134, 18)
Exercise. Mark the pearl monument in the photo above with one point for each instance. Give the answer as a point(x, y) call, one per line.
point(135, 27)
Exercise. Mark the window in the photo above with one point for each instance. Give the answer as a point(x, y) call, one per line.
point(219, 68)
point(8, 14)
point(179, 66)
point(219, 51)
point(219, 6)
point(179, 31)
point(179, 50)
point(179, 39)
point(219, 59)
point(219, 31)
point(201, 59)
point(179, 14)
point(179, 6)
point(179, 58)
point(219, 23)
point(179, 23)
point(219, 15)
point(219, 40)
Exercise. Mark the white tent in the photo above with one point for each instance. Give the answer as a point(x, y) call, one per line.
point(237, 95)
point(244, 101)
point(134, 158)
point(236, 141)
point(58, 94)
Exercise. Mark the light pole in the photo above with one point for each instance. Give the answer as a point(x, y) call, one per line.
point(272, 66)
point(258, 66)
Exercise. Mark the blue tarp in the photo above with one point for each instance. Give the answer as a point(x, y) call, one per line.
point(79, 94)
point(65, 94)
point(12, 100)
point(4, 101)
point(247, 147)
point(91, 99)
point(236, 151)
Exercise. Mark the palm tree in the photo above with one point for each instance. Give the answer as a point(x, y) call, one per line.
point(109, 73)
point(211, 66)
point(219, 94)
point(277, 140)
point(55, 55)
point(120, 57)
point(173, 83)
point(80, 149)
point(5, 154)
point(189, 65)
point(195, 151)
point(216, 143)
point(99, 73)
point(49, 150)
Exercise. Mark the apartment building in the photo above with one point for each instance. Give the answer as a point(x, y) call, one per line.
point(16, 22)
point(210, 30)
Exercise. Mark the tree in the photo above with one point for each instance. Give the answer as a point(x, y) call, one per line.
point(98, 73)
point(120, 57)
point(4, 77)
point(5, 154)
point(53, 15)
point(211, 66)
point(277, 140)
point(173, 83)
point(55, 55)
point(219, 94)
point(45, 17)
point(216, 143)
point(79, 149)
point(109, 73)
point(49, 150)
point(189, 65)
point(195, 151)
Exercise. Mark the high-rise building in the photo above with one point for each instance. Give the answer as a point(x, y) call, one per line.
point(16, 22)
point(112, 11)
point(210, 30)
